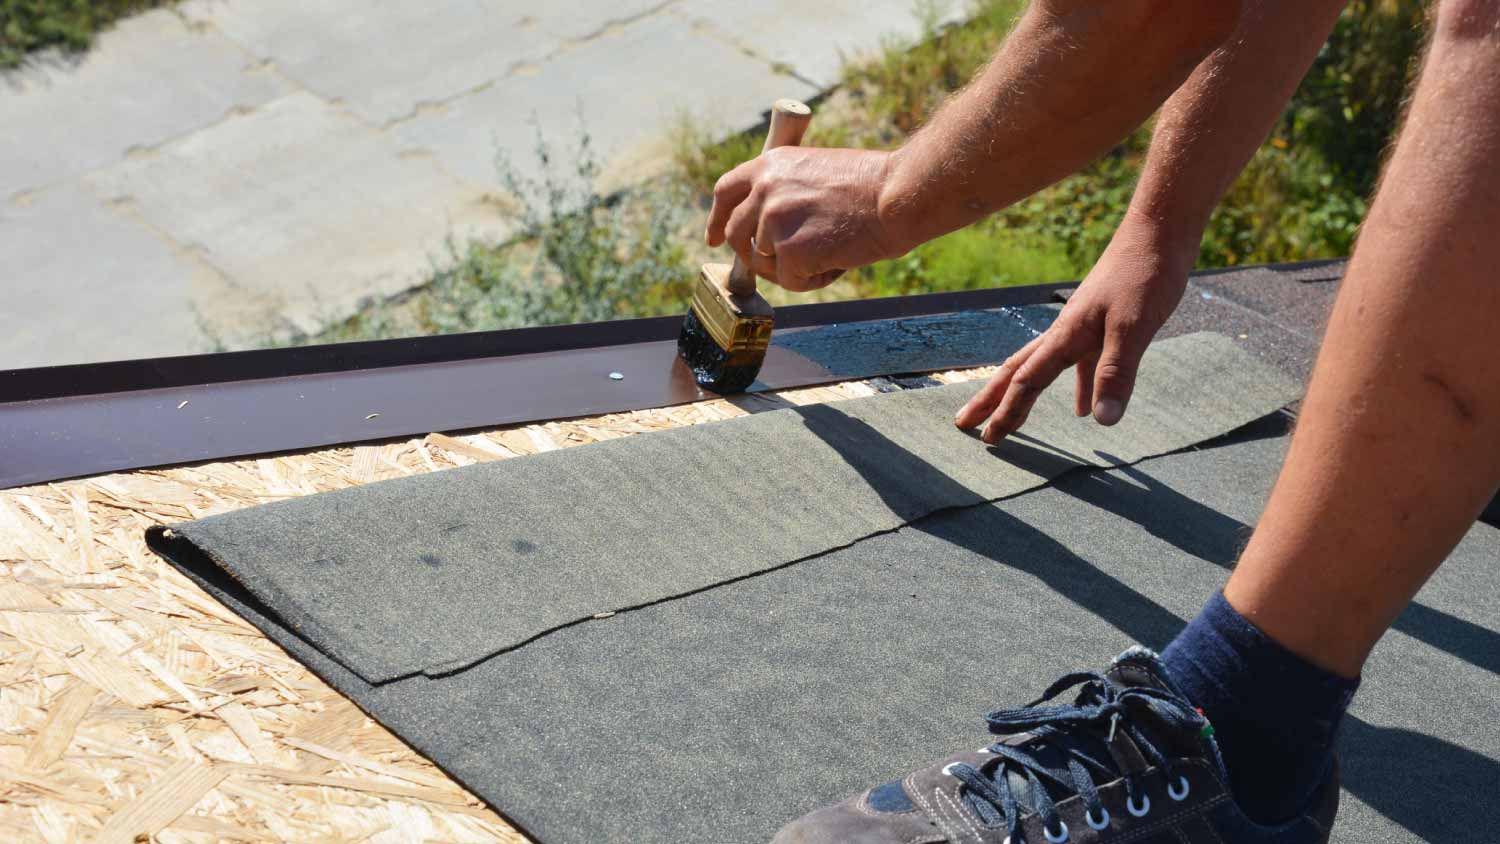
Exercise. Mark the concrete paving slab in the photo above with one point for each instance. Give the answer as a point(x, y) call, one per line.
point(813, 39)
point(627, 85)
point(82, 282)
point(386, 60)
point(147, 80)
point(304, 204)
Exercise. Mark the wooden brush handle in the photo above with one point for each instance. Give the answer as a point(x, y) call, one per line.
point(789, 119)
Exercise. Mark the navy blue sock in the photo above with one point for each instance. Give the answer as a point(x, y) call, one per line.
point(1275, 715)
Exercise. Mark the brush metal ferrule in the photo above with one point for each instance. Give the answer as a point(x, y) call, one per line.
point(736, 323)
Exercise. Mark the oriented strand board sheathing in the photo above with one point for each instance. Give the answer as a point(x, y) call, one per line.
point(117, 674)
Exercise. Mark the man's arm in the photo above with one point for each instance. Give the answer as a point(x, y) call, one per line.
point(1073, 78)
point(1205, 135)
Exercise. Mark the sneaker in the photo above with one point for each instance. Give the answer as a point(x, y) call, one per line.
point(1131, 760)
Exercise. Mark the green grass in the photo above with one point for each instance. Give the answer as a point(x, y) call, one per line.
point(30, 25)
point(975, 257)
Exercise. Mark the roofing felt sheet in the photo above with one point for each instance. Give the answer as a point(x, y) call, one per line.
point(435, 572)
point(446, 604)
point(718, 716)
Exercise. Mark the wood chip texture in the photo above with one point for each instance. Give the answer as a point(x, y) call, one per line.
point(135, 708)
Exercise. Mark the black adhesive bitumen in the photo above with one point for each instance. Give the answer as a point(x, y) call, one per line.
point(709, 363)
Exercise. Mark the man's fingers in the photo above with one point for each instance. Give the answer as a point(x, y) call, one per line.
point(988, 398)
point(801, 281)
point(798, 267)
point(766, 259)
point(741, 227)
point(1034, 376)
point(763, 265)
point(729, 192)
point(1114, 375)
point(1083, 395)
point(820, 280)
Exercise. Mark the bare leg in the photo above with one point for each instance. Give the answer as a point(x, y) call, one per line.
point(1398, 445)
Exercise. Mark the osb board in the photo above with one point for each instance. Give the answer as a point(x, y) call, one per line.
point(133, 707)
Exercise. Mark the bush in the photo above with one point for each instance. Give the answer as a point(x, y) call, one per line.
point(1286, 206)
point(577, 258)
point(597, 259)
point(1350, 103)
point(28, 25)
point(1304, 193)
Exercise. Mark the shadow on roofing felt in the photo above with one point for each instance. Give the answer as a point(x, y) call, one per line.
point(1210, 535)
point(995, 534)
point(1410, 778)
point(1161, 511)
point(1131, 493)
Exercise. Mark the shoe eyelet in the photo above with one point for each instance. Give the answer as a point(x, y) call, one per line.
point(1179, 796)
point(948, 768)
point(1088, 818)
point(1061, 836)
point(1141, 812)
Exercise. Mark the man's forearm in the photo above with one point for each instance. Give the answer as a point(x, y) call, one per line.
point(1211, 127)
point(1074, 78)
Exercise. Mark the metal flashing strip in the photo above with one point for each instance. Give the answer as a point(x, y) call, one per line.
point(179, 371)
point(72, 421)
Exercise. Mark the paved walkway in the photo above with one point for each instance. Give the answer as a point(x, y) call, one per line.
point(207, 169)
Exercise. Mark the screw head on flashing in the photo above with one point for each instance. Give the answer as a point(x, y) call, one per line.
point(617, 376)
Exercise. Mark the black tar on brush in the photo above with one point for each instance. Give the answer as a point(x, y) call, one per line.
point(728, 327)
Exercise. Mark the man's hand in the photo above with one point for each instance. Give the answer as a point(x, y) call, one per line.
point(1103, 331)
point(800, 216)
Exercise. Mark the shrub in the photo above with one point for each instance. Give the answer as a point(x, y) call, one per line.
point(1349, 105)
point(577, 257)
point(28, 25)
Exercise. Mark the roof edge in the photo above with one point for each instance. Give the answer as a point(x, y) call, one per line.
point(50, 382)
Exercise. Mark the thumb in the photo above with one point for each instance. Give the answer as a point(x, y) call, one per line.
point(1114, 374)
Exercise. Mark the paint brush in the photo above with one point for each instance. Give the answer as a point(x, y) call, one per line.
point(728, 326)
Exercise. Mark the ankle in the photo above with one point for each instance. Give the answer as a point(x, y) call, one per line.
point(1326, 640)
point(1275, 714)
